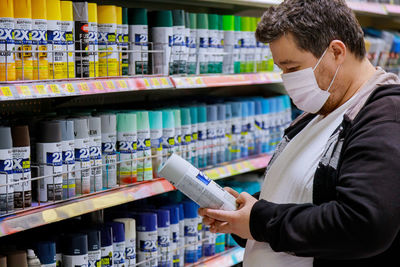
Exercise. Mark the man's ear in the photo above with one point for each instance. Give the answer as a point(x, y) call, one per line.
point(339, 51)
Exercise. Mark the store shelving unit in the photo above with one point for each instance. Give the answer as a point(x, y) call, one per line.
point(230, 257)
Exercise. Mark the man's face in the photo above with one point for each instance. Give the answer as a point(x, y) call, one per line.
point(290, 58)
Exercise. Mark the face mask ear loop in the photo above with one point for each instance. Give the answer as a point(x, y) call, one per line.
point(320, 59)
point(334, 77)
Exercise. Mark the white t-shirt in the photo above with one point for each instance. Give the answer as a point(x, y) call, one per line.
point(290, 180)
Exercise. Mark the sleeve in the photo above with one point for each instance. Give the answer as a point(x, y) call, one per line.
point(364, 218)
point(241, 241)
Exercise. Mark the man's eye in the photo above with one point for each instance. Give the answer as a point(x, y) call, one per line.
point(293, 69)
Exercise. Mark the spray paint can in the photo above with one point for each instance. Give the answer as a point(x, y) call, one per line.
point(191, 44)
point(32, 259)
point(81, 19)
point(17, 258)
point(195, 129)
point(130, 240)
point(220, 47)
point(186, 134)
point(96, 175)
point(106, 246)
point(138, 38)
point(23, 39)
point(7, 59)
point(118, 243)
point(163, 238)
point(191, 232)
point(108, 148)
point(39, 40)
point(124, 42)
point(179, 48)
point(202, 135)
point(251, 137)
point(244, 44)
point(258, 128)
point(178, 130)
point(252, 67)
point(127, 146)
point(156, 140)
point(174, 230)
point(146, 227)
point(49, 156)
point(212, 141)
point(237, 49)
point(119, 38)
point(57, 55)
point(68, 158)
point(82, 156)
point(46, 252)
point(168, 133)
point(228, 131)
point(181, 235)
point(259, 49)
point(93, 41)
point(21, 166)
point(199, 237)
point(75, 250)
point(221, 138)
point(244, 135)
point(212, 42)
point(6, 171)
point(161, 33)
point(94, 247)
point(197, 186)
point(209, 241)
point(186, 40)
point(107, 27)
point(144, 165)
point(67, 38)
point(202, 40)
point(236, 129)
point(228, 23)
point(265, 126)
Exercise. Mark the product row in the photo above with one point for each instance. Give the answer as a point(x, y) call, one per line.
point(89, 151)
point(162, 231)
point(53, 39)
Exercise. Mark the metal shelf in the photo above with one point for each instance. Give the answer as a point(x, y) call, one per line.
point(54, 212)
point(227, 258)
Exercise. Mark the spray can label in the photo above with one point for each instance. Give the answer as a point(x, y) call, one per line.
point(193, 145)
point(147, 244)
point(229, 48)
point(7, 70)
point(82, 159)
point(175, 241)
point(179, 50)
point(212, 49)
point(168, 142)
point(75, 260)
point(236, 51)
point(212, 143)
point(6, 177)
point(49, 156)
point(178, 140)
point(82, 43)
point(202, 42)
point(67, 40)
point(156, 149)
point(138, 60)
point(68, 159)
point(164, 246)
point(181, 242)
point(209, 243)
point(130, 251)
point(94, 258)
point(119, 254)
point(93, 47)
point(201, 145)
point(199, 237)
point(23, 42)
point(108, 57)
point(22, 175)
point(107, 256)
point(162, 41)
point(127, 146)
point(56, 58)
point(191, 44)
point(124, 45)
point(144, 165)
point(186, 142)
point(191, 236)
point(96, 180)
point(39, 45)
point(58, 260)
point(221, 141)
point(109, 152)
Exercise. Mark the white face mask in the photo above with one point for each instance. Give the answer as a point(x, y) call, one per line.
point(304, 90)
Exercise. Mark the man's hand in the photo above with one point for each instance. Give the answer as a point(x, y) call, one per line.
point(236, 222)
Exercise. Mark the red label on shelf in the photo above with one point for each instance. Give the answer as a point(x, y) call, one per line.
point(40, 89)
point(23, 90)
point(83, 88)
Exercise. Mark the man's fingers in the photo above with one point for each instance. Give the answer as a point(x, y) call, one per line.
point(207, 220)
point(221, 227)
point(220, 215)
point(232, 192)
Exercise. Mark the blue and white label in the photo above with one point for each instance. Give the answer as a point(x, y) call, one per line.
point(203, 178)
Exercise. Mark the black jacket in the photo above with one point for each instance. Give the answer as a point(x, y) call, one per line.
point(354, 219)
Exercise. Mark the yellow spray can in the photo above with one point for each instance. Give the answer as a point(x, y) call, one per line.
point(23, 39)
point(107, 28)
point(39, 40)
point(67, 38)
point(93, 41)
point(7, 58)
point(54, 44)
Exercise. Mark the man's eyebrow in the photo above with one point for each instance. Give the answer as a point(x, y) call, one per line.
point(286, 62)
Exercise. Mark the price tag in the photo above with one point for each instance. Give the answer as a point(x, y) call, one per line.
point(24, 90)
point(146, 83)
point(179, 82)
point(98, 85)
point(155, 82)
point(55, 89)
point(6, 91)
point(222, 171)
point(70, 88)
point(164, 81)
point(122, 84)
point(199, 81)
point(190, 81)
point(40, 89)
point(110, 85)
point(83, 87)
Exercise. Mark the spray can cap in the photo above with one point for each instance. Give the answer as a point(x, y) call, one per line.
point(129, 226)
point(163, 217)
point(220, 23)
point(94, 126)
point(202, 113)
point(258, 106)
point(108, 123)
point(50, 132)
point(187, 20)
point(251, 108)
point(193, 115)
point(193, 20)
point(245, 109)
point(7, 9)
point(190, 209)
point(107, 14)
point(146, 222)
point(185, 116)
point(212, 21)
point(39, 9)
point(173, 213)
point(236, 109)
point(17, 258)
point(202, 21)
point(125, 16)
point(81, 128)
point(92, 12)
point(126, 122)
point(178, 17)
point(228, 22)
point(177, 118)
point(20, 135)
point(75, 244)
point(106, 235)
point(238, 23)
point(119, 15)
point(161, 18)
point(221, 112)
point(142, 118)
point(265, 106)
point(228, 111)
point(212, 113)
point(118, 229)
point(93, 236)
point(81, 11)
point(137, 16)
point(66, 11)
point(245, 24)
point(22, 9)
point(155, 120)
point(46, 252)
point(53, 10)
point(168, 119)
point(67, 130)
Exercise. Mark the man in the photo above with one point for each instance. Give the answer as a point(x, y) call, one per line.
point(331, 194)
